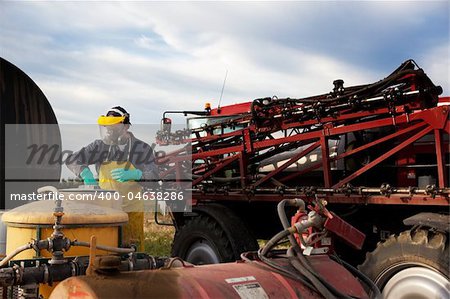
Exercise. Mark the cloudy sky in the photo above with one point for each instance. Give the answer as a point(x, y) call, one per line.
point(156, 56)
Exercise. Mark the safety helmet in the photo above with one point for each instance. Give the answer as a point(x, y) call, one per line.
point(114, 125)
point(115, 115)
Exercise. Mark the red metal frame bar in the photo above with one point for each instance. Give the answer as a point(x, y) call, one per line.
point(243, 168)
point(289, 125)
point(435, 117)
point(288, 163)
point(354, 151)
point(178, 173)
point(342, 117)
point(419, 123)
point(384, 156)
point(440, 159)
point(218, 167)
point(247, 141)
point(165, 173)
point(378, 141)
point(336, 198)
point(325, 161)
point(218, 152)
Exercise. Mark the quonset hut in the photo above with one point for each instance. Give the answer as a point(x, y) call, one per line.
point(24, 110)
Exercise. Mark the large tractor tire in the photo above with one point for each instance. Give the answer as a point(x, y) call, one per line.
point(414, 264)
point(216, 235)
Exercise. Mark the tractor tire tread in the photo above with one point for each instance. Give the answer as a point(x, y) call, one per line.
point(420, 246)
point(204, 222)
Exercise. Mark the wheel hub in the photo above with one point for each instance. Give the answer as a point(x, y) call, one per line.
point(416, 282)
point(201, 252)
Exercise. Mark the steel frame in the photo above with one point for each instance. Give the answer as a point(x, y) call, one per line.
point(237, 149)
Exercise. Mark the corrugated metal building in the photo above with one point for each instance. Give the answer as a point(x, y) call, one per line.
point(23, 102)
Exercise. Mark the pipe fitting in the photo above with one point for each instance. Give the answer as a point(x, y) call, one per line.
point(314, 220)
point(296, 202)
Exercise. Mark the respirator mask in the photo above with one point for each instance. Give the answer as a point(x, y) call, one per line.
point(114, 134)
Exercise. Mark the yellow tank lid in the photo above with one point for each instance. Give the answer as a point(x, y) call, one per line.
point(41, 212)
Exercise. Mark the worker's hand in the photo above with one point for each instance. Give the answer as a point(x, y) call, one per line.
point(88, 177)
point(123, 175)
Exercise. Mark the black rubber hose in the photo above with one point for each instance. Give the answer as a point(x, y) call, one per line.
point(402, 70)
point(306, 271)
point(296, 256)
point(303, 269)
point(294, 275)
point(274, 241)
point(284, 220)
point(371, 89)
point(366, 280)
point(262, 254)
point(322, 287)
point(281, 209)
point(300, 264)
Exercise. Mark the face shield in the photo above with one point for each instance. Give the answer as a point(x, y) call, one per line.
point(113, 130)
point(114, 134)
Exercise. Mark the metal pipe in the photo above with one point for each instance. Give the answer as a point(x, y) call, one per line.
point(45, 273)
point(50, 189)
point(18, 250)
point(219, 179)
point(185, 113)
point(103, 247)
point(354, 190)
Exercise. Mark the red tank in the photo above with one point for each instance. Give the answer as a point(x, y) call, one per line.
point(230, 280)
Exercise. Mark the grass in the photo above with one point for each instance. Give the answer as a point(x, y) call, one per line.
point(158, 238)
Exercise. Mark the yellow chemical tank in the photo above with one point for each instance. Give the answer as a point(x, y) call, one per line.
point(80, 221)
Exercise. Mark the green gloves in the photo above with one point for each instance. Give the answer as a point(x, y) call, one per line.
point(119, 174)
point(88, 177)
point(122, 175)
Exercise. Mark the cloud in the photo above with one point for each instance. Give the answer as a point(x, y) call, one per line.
point(436, 64)
point(152, 56)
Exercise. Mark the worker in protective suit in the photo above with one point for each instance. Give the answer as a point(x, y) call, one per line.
point(123, 163)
